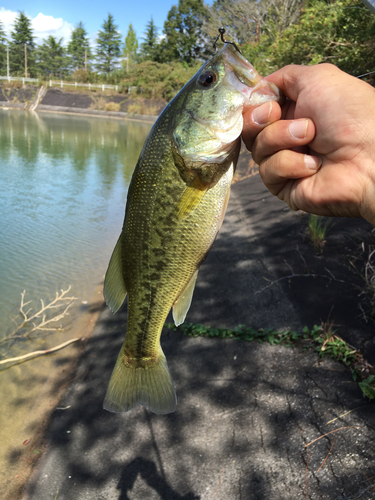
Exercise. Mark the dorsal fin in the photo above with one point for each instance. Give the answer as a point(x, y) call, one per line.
point(114, 286)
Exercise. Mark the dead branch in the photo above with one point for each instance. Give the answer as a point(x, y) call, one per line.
point(45, 319)
point(35, 354)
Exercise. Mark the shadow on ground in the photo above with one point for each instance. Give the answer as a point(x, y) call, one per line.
point(246, 411)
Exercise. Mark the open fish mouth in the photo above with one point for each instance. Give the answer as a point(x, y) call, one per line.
point(244, 78)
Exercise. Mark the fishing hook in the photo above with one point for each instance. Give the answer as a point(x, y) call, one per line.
point(221, 36)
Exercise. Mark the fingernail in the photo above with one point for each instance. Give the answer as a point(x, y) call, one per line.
point(261, 114)
point(312, 162)
point(298, 128)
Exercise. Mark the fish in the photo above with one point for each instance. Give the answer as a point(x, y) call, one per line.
point(175, 207)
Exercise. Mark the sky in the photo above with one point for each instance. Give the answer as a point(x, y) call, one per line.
point(59, 18)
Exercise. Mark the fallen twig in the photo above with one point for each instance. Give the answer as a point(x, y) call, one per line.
point(35, 354)
point(324, 461)
point(329, 278)
point(330, 432)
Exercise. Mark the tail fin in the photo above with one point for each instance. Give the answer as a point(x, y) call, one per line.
point(151, 387)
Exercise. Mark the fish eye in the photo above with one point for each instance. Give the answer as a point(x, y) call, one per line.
point(207, 79)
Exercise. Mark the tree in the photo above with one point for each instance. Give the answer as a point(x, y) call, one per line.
point(109, 42)
point(51, 57)
point(78, 45)
point(341, 32)
point(21, 35)
point(246, 20)
point(3, 51)
point(130, 47)
point(148, 49)
point(183, 30)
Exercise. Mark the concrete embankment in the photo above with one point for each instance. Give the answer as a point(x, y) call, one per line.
point(115, 105)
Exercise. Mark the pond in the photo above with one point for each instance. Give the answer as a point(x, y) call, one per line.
point(63, 187)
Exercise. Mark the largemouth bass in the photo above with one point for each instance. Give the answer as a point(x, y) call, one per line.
point(176, 204)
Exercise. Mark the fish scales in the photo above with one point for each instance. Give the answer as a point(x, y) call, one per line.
point(175, 207)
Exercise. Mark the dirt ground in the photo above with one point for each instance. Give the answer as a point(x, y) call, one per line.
point(248, 414)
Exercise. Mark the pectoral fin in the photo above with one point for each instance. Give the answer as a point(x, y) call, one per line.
point(114, 286)
point(191, 197)
point(182, 305)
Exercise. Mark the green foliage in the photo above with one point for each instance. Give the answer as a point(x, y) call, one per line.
point(22, 34)
point(160, 79)
point(130, 47)
point(3, 51)
point(368, 386)
point(340, 32)
point(109, 43)
point(78, 45)
point(317, 229)
point(149, 46)
point(51, 57)
point(324, 340)
point(183, 30)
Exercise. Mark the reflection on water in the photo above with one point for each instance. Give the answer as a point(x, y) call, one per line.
point(63, 184)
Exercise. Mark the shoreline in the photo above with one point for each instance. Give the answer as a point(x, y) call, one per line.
point(67, 110)
point(63, 371)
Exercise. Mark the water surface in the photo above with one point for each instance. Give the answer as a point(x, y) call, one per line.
point(63, 185)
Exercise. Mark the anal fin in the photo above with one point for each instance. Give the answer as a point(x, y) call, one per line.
point(182, 304)
point(114, 286)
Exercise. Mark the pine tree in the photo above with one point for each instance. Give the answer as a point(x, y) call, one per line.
point(21, 35)
point(130, 47)
point(79, 43)
point(148, 49)
point(109, 42)
point(3, 51)
point(51, 57)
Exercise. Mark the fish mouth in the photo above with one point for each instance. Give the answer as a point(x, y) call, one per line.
point(244, 77)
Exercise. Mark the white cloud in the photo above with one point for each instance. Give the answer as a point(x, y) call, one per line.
point(47, 25)
point(7, 17)
point(42, 26)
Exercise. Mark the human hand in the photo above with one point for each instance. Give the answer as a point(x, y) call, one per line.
point(317, 152)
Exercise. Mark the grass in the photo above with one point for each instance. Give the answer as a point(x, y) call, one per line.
point(112, 106)
point(142, 108)
point(322, 338)
point(317, 230)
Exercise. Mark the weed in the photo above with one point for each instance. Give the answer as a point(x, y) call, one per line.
point(322, 337)
point(317, 229)
point(98, 103)
point(368, 386)
point(142, 108)
point(112, 106)
point(13, 84)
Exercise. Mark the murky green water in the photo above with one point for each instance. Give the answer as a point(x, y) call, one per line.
point(63, 185)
